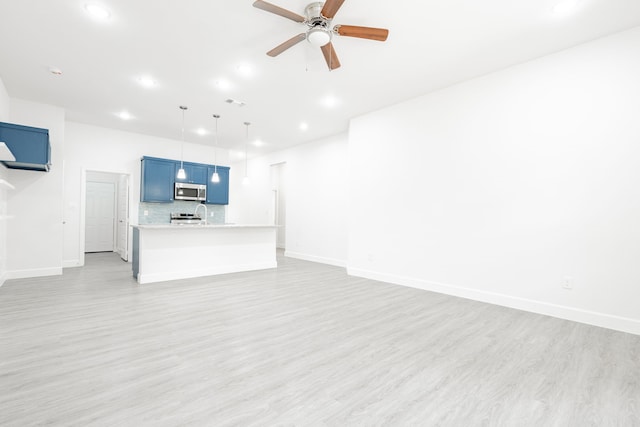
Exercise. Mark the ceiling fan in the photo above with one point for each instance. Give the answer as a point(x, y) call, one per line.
point(318, 17)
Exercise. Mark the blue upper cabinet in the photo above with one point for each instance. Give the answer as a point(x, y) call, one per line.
point(196, 173)
point(218, 193)
point(159, 176)
point(157, 180)
point(30, 146)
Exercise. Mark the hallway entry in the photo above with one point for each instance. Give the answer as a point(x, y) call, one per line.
point(107, 213)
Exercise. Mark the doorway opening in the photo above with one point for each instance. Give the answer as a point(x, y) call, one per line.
point(107, 213)
point(279, 202)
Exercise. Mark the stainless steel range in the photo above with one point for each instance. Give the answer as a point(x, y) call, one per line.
point(185, 218)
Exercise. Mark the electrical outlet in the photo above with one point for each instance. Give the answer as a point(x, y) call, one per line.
point(146, 213)
point(567, 283)
point(211, 214)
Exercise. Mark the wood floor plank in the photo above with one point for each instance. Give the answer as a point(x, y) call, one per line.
point(301, 345)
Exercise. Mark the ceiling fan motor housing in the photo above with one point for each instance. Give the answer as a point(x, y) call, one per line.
point(313, 13)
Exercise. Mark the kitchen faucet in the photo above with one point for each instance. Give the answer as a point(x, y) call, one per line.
point(206, 214)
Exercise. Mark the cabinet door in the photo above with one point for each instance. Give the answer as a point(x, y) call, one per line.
point(156, 183)
point(218, 193)
point(196, 173)
point(199, 174)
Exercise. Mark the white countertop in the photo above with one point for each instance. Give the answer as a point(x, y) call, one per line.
point(198, 226)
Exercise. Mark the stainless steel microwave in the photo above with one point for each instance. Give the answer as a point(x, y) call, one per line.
point(184, 191)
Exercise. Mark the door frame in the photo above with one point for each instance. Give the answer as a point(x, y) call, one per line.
point(83, 210)
point(278, 188)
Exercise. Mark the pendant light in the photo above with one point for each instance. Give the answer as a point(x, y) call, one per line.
point(215, 178)
point(181, 173)
point(245, 181)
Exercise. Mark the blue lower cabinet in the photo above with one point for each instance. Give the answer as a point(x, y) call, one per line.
point(218, 193)
point(157, 180)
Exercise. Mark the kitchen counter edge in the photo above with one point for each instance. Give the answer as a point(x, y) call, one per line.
point(198, 226)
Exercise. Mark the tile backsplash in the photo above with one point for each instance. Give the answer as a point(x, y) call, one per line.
point(160, 213)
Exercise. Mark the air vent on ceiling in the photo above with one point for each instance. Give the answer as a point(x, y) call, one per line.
point(235, 102)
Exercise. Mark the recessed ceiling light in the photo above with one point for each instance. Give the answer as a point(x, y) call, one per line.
point(55, 70)
point(304, 126)
point(147, 81)
point(330, 101)
point(237, 154)
point(97, 11)
point(566, 8)
point(124, 115)
point(201, 131)
point(223, 84)
point(245, 70)
point(258, 143)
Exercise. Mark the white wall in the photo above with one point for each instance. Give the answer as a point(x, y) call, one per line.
point(4, 102)
point(34, 235)
point(4, 189)
point(316, 175)
point(93, 148)
point(498, 188)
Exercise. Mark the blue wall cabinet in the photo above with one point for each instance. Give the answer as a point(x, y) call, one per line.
point(157, 180)
point(30, 146)
point(196, 173)
point(218, 193)
point(158, 177)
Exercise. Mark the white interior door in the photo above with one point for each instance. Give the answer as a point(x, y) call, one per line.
point(122, 226)
point(100, 217)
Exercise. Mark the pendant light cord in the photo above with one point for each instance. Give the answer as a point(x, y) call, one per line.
point(183, 108)
point(215, 147)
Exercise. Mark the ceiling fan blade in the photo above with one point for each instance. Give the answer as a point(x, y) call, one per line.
point(278, 10)
point(330, 8)
point(330, 56)
point(379, 34)
point(286, 45)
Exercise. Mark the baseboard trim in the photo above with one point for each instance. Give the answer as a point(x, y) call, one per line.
point(622, 324)
point(36, 272)
point(3, 277)
point(209, 271)
point(318, 259)
point(71, 263)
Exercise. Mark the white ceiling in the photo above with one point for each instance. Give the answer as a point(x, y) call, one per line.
point(188, 46)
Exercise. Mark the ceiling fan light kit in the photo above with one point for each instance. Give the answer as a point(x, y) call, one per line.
point(318, 36)
point(318, 18)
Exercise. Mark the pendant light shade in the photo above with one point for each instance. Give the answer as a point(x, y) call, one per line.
point(215, 178)
point(245, 181)
point(181, 173)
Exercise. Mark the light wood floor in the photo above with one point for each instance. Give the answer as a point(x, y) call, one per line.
point(303, 345)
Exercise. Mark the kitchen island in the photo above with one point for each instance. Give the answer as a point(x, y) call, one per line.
point(169, 252)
